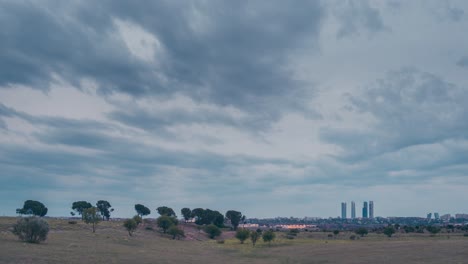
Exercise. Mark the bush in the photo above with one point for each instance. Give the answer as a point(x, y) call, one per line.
point(149, 228)
point(175, 232)
point(220, 241)
point(138, 220)
point(130, 225)
point(212, 231)
point(242, 235)
point(465, 235)
point(31, 229)
point(268, 236)
point(352, 237)
point(72, 222)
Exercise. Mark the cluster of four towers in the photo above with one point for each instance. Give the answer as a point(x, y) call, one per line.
point(367, 210)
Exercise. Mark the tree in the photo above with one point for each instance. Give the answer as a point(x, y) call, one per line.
point(208, 217)
point(186, 213)
point(104, 207)
point(79, 206)
point(361, 231)
point(164, 210)
point(91, 216)
point(235, 218)
point(130, 225)
point(212, 231)
point(242, 235)
point(31, 229)
point(254, 237)
point(175, 232)
point(269, 236)
point(433, 230)
point(142, 210)
point(165, 222)
point(389, 231)
point(31, 207)
point(138, 220)
point(336, 232)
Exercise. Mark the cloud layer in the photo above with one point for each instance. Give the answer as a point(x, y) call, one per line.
point(271, 108)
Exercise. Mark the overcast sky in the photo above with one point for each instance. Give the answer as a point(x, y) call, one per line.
point(272, 108)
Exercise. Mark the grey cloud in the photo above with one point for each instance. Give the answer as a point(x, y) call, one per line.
point(410, 108)
point(356, 16)
point(240, 57)
point(463, 62)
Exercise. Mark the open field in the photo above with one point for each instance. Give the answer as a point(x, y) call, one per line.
point(111, 244)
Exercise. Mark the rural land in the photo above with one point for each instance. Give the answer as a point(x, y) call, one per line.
point(74, 242)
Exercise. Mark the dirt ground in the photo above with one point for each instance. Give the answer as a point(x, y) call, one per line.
point(111, 244)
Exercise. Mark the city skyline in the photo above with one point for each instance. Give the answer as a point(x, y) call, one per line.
point(268, 108)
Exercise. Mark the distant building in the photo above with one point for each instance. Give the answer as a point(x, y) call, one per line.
point(429, 216)
point(445, 217)
point(343, 210)
point(364, 210)
point(436, 216)
point(353, 210)
point(371, 209)
point(461, 216)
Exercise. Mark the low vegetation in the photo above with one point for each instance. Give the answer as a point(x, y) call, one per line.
point(31, 229)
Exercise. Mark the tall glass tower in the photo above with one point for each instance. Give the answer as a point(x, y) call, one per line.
point(353, 210)
point(343, 210)
point(371, 209)
point(364, 210)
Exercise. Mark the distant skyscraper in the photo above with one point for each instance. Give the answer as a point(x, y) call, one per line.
point(364, 210)
point(371, 209)
point(436, 216)
point(343, 210)
point(429, 216)
point(353, 210)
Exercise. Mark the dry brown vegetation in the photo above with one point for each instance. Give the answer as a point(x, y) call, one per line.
point(75, 243)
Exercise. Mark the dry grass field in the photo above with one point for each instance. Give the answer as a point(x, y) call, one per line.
point(111, 244)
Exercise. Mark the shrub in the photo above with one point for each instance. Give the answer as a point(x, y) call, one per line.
point(242, 235)
point(361, 231)
point(31, 229)
point(130, 225)
point(72, 222)
point(220, 241)
point(175, 232)
point(149, 228)
point(269, 236)
point(290, 237)
point(352, 237)
point(212, 231)
point(165, 222)
point(465, 235)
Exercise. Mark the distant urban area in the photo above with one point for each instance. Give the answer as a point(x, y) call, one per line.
point(366, 219)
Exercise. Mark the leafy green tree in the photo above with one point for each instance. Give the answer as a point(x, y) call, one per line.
point(389, 231)
point(361, 231)
point(142, 210)
point(91, 216)
point(254, 237)
point(336, 232)
point(175, 232)
point(242, 234)
point(31, 229)
point(130, 225)
point(433, 230)
point(79, 206)
point(165, 222)
point(269, 236)
point(31, 207)
point(104, 209)
point(208, 217)
point(235, 218)
point(186, 213)
point(167, 211)
point(212, 231)
point(138, 220)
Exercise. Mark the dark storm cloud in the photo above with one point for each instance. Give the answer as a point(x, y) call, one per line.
point(410, 108)
point(237, 55)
